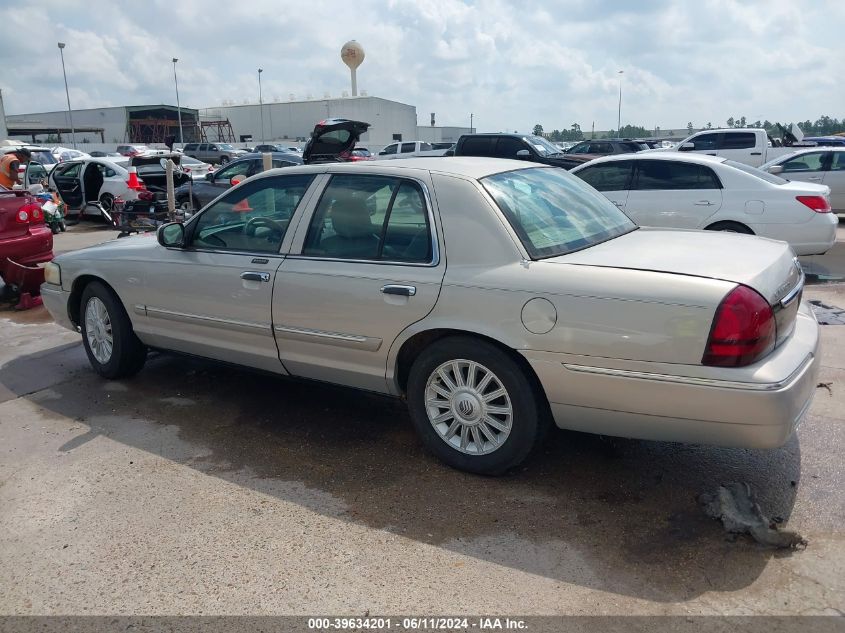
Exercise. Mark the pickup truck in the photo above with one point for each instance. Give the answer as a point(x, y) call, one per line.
point(407, 149)
point(744, 145)
point(517, 147)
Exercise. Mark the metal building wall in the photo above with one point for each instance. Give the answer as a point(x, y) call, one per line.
point(296, 119)
point(112, 120)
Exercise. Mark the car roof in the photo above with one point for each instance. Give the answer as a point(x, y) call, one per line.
point(282, 155)
point(675, 156)
point(470, 167)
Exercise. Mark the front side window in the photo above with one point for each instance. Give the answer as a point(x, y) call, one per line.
point(581, 148)
point(667, 175)
point(615, 176)
point(508, 146)
point(370, 218)
point(706, 142)
point(554, 213)
point(601, 148)
point(240, 168)
point(68, 170)
point(390, 149)
point(805, 162)
point(253, 217)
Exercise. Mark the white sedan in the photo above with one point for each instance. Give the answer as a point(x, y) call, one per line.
point(821, 165)
point(707, 192)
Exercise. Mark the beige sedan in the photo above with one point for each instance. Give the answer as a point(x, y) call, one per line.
point(496, 296)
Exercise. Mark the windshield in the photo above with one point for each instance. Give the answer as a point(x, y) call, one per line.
point(553, 212)
point(43, 156)
point(225, 146)
point(759, 173)
point(543, 147)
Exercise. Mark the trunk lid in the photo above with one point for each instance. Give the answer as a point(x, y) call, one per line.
point(331, 138)
point(767, 266)
point(10, 203)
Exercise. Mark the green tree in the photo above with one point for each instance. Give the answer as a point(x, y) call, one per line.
point(741, 122)
point(730, 122)
point(538, 130)
point(709, 125)
point(689, 127)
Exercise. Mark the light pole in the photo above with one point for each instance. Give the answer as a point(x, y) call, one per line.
point(470, 122)
point(261, 104)
point(619, 112)
point(178, 107)
point(67, 94)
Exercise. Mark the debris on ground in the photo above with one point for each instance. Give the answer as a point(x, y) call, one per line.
point(733, 504)
point(827, 315)
point(825, 385)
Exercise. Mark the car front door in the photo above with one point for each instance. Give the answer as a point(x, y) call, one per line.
point(834, 178)
point(806, 167)
point(65, 177)
point(707, 143)
point(213, 297)
point(364, 265)
point(675, 194)
point(612, 178)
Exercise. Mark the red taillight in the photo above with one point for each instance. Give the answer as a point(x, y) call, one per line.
point(146, 195)
point(743, 330)
point(819, 204)
point(29, 213)
point(35, 213)
point(23, 215)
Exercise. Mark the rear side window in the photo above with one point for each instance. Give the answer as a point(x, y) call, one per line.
point(408, 147)
point(376, 218)
point(203, 147)
point(190, 147)
point(666, 175)
point(615, 176)
point(738, 140)
point(838, 163)
point(477, 146)
point(601, 148)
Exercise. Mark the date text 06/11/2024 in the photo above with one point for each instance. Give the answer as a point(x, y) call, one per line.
point(416, 623)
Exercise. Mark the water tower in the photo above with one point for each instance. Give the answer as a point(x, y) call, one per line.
point(352, 55)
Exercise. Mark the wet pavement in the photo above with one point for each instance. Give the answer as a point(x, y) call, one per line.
point(201, 488)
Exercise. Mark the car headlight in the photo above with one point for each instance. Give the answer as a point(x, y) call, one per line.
point(53, 274)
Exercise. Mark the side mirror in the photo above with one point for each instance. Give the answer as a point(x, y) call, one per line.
point(686, 147)
point(775, 169)
point(236, 180)
point(172, 235)
point(523, 154)
point(209, 176)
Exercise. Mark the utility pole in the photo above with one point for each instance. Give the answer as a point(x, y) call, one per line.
point(178, 107)
point(67, 94)
point(470, 122)
point(261, 103)
point(619, 111)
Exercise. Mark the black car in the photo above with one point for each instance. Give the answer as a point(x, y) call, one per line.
point(606, 146)
point(194, 195)
point(332, 141)
point(515, 146)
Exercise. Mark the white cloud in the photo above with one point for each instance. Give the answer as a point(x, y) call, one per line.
point(511, 64)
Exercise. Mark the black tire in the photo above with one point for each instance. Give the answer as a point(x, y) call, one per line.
point(54, 229)
point(528, 422)
point(128, 353)
point(730, 227)
point(62, 226)
point(224, 160)
point(107, 200)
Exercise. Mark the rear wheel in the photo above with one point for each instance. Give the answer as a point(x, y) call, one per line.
point(473, 406)
point(224, 160)
point(110, 343)
point(730, 227)
point(107, 202)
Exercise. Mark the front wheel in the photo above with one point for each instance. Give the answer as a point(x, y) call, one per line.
point(224, 160)
point(110, 343)
point(473, 406)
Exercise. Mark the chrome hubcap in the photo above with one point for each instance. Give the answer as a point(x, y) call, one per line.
point(468, 406)
point(98, 330)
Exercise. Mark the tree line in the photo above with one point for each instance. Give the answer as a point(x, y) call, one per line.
point(823, 126)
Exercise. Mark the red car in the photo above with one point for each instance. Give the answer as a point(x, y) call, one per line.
point(24, 237)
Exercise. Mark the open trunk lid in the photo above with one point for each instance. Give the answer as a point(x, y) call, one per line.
point(331, 138)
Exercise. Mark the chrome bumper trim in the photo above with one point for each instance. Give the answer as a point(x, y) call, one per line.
point(691, 380)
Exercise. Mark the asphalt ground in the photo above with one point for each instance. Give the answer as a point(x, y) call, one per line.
point(197, 488)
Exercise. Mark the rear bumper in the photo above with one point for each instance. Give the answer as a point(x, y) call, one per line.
point(36, 247)
point(724, 411)
point(814, 237)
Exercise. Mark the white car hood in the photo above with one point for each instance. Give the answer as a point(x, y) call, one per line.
point(768, 266)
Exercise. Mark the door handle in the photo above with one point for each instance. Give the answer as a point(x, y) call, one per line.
point(404, 291)
point(756, 153)
point(814, 178)
point(250, 275)
point(618, 204)
point(703, 203)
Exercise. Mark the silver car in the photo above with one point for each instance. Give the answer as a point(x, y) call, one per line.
point(496, 296)
point(820, 165)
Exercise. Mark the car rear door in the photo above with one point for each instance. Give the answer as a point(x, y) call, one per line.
point(612, 179)
point(741, 147)
point(364, 265)
point(834, 178)
point(677, 194)
point(65, 178)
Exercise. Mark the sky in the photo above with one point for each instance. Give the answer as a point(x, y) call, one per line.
point(512, 64)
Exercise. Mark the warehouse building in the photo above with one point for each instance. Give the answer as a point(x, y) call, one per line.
point(121, 124)
point(248, 123)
